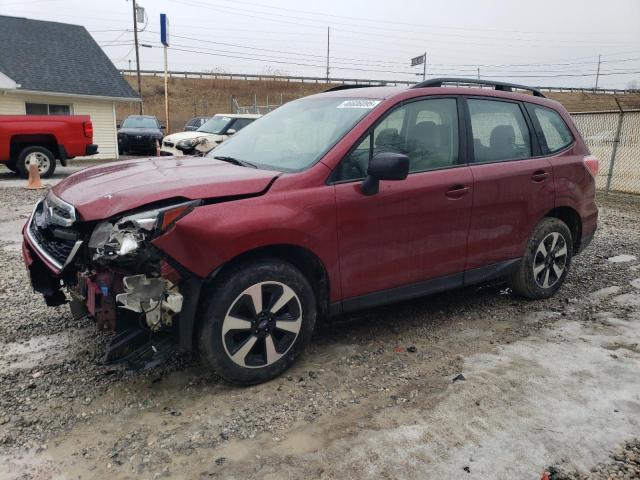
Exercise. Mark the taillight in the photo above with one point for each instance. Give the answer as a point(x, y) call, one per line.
point(88, 129)
point(593, 164)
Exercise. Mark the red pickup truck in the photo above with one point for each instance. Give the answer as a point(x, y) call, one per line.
point(43, 139)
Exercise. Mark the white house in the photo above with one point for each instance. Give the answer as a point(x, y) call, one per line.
point(51, 68)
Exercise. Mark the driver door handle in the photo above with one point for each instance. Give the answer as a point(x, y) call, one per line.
point(457, 191)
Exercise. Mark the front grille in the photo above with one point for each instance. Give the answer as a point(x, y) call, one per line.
point(41, 232)
point(133, 140)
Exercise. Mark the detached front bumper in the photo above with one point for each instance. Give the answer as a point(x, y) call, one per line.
point(116, 298)
point(44, 278)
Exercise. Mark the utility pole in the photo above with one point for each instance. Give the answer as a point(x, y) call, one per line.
point(424, 67)
point(166, 92)
point(478, 73)
point(328, 43)
point(597, 73)
point(164, 39)
point(129, 64)
point(135, 39)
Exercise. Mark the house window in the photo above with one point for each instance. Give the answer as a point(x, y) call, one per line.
point(47, 109)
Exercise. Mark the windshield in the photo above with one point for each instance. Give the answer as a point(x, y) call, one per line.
point(139, 122)
point(295, 136)
point(215, 125)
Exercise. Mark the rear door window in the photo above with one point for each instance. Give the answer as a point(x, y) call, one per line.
point(500, 132)
point(555, 133)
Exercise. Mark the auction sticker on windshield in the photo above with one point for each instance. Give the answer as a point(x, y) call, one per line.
point(360, 103)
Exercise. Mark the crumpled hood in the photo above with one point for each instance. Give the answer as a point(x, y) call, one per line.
point(104, 191)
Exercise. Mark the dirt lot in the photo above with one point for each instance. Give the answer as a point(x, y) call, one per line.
point(551, 384)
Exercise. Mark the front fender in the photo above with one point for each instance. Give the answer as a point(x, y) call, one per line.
point(214, 234)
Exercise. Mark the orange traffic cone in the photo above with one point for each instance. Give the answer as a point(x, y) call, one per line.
point(157, 148)
point(34, 181)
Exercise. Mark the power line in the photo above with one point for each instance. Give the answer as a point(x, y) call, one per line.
point(377, 62)
point(284, 61)
point(104, 45)
point(352, 19)
point(237, 11)
point(279, 60)
point(359, 18)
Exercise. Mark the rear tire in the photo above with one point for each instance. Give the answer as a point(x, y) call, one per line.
point(257, 321)
point(545, 264)
point(44, 158)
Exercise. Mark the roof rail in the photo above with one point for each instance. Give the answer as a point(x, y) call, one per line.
point(346, 87)
point(502, 86)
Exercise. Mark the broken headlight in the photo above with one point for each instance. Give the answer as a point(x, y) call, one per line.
point(124, 236)
point(188, 144)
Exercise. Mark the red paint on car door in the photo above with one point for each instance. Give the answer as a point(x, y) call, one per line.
point(509, 199)
point(412, 230)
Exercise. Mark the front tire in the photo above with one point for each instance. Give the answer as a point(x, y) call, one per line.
point(257, 321)
point(545, 264)
point(43, 158)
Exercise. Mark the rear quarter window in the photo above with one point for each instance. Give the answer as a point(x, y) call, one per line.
point(556, 135)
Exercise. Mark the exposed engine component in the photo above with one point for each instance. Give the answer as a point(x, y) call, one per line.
point(121, 238)
point(157, 298)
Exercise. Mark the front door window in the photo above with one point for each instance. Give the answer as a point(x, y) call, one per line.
point(426, 131)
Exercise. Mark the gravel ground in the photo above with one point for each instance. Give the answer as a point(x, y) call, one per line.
point(373, 397)
point(624, 463)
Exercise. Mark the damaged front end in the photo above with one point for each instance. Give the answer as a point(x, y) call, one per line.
point(112, 273)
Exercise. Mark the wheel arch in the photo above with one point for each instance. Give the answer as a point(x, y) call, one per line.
point(572, 218)
point(302, 258)
point(22, 141)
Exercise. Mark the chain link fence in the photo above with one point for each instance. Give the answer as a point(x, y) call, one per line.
point(255, 108)
point(613, 137)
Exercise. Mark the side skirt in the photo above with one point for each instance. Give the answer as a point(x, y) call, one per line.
point(428, 287)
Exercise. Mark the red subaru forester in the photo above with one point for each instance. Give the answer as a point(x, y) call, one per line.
point(344, 200)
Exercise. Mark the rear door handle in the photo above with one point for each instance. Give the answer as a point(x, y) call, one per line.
point(457, 191)
point(539, 176)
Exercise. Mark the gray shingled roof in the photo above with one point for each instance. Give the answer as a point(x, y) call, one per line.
point(57, 57)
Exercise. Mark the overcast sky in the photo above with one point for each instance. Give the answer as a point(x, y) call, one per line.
point(543, 43)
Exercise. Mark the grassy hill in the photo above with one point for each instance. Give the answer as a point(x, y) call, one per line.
point(189, 97)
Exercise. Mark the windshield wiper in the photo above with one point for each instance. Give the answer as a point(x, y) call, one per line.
point(235, 161)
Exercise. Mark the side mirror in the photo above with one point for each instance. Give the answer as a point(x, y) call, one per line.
point(384, 166)
point(117, 125)
point(162, 127)
point(231, 131)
